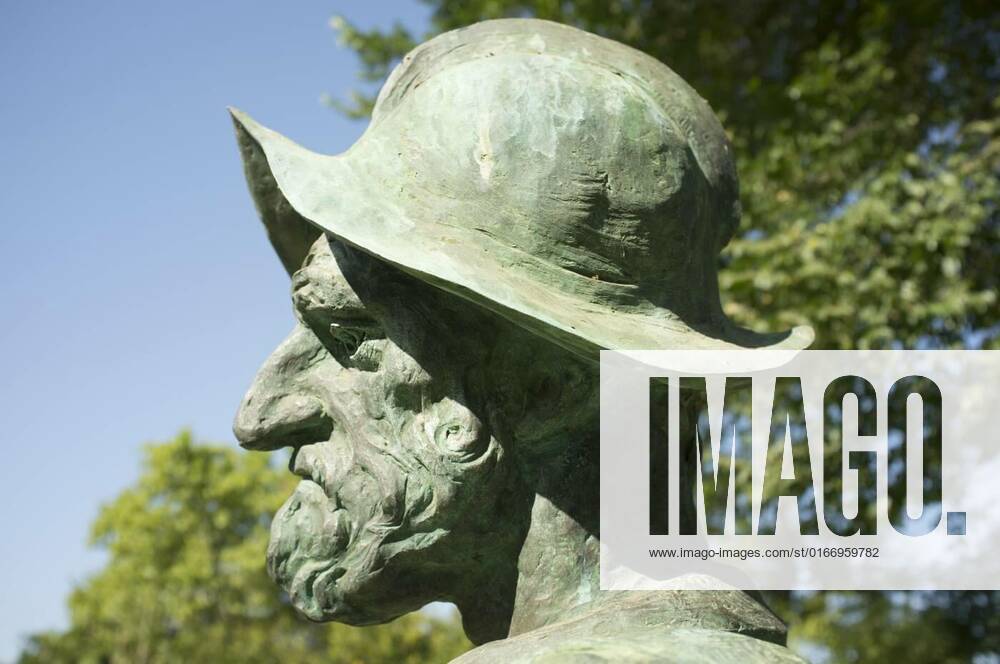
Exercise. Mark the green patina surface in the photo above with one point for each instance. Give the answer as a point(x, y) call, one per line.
point(525, 195)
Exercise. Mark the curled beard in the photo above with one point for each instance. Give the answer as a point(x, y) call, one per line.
point(325, 551)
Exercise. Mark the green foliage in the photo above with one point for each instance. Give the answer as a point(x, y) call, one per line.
point(868, 146)
point(185, 579)
point(939, 627)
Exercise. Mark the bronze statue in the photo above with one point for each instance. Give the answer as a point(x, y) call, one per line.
point(526, 195)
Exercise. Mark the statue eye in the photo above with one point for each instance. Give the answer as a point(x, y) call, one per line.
point(356, 345)
point(347, 339)
point(325, 302)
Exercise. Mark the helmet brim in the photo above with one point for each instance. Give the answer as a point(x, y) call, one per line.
point(300, 194)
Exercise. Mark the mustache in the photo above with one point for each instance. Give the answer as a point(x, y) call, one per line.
point(376, 472)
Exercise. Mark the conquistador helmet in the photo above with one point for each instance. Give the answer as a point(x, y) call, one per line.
point(569, 183)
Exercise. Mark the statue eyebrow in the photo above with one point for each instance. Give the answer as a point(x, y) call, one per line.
point(327, 295)
point(356, 323)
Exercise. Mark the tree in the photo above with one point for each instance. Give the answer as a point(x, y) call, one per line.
point(185, 579)
point(868, 146)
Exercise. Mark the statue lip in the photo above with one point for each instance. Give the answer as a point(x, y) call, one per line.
point(304, 463)
point(292, 459)
point(304, 466)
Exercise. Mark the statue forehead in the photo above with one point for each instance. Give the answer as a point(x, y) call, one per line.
point(341, 284)
point(321, 268)
point(350, 279)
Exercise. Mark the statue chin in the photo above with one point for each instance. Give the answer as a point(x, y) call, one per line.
point(310, 539)
point(330, 562)
point(322, 557)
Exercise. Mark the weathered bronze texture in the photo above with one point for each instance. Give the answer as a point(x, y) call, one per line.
point(526, 195)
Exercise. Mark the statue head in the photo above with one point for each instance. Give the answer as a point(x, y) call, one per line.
point(403, 406)
point(526, 195)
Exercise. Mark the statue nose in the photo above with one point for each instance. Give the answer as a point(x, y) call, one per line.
point(278, 409)
point(285, 421)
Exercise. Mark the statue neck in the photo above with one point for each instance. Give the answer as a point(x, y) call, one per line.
point(558, 566)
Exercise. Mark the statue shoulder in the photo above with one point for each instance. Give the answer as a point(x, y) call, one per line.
point(682, 646)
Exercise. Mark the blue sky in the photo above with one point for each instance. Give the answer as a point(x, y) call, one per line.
point(139, 293)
